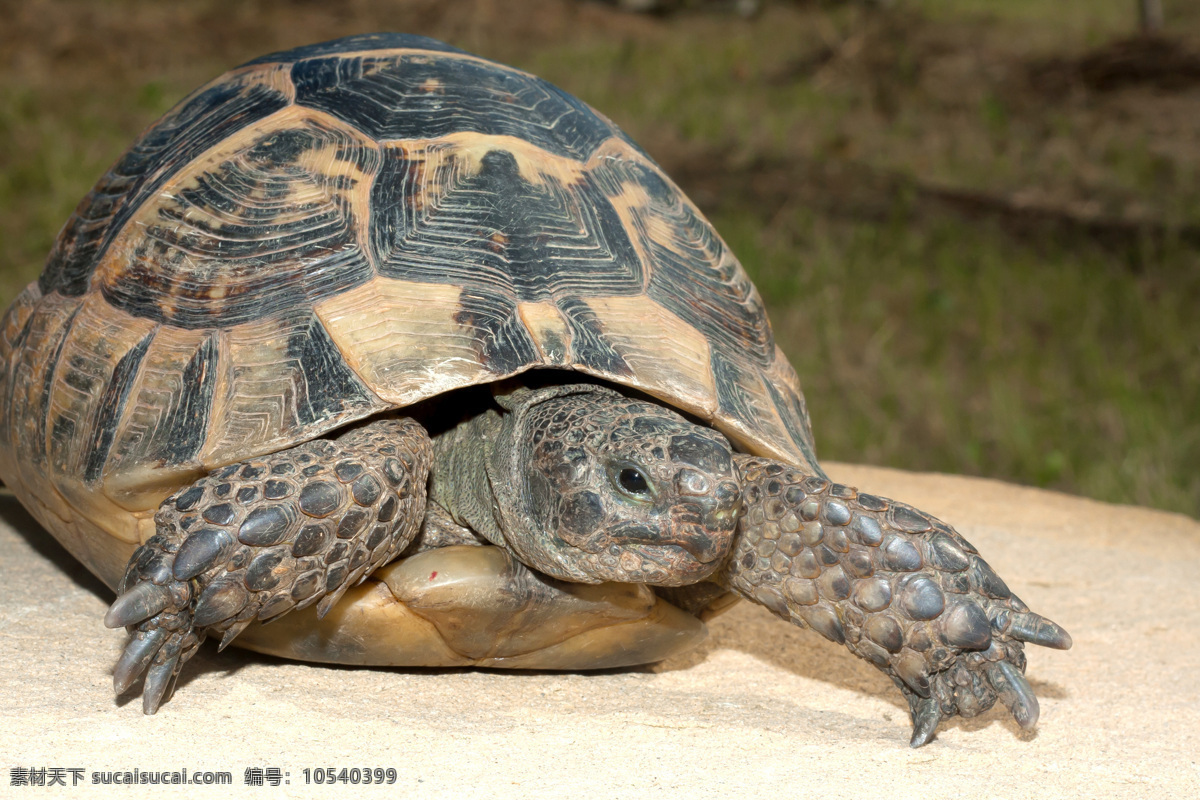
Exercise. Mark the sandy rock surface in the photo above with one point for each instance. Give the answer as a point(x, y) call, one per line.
point(761, 709)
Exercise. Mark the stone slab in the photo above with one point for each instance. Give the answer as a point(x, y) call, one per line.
point(761, 709)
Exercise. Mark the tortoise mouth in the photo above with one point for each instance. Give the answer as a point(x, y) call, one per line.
point(656, 564)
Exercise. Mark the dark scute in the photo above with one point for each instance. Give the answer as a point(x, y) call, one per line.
point(337, 552)
point(966, 625)
point(326, 387)
point(701, 451)
point(305, 585)
point(883, 630)
point(311, 539)
point(222, 599)
point(386, 97)
point(219, 253)
point(247, 494)
point(394, 471)
point(795, 418)
point(260, 575)
point(187, 424)
point(945, 553)
point(221, 514)
point(770, 597)
point(202, 550)
point(361, 554)
point(347, 471)
point(276, 490)
point(920, 598)
point(731, 383)
point(502, 342)
point(188, 500)
point(908, 519)
point(902, 555)
point(320, 498)
point(357, 43)
point(277, 605)
point(111, 406)
point(988, 581)
point(196, 125)
point(867, 530)
point(582, 513)
point(266, 526)
point(378, 534)
point(589, 343)
point(837, 513)
point(37, 447)
point(351, 523)
point(336, 574)
point(872, 503)
point(388, 509)
point(826, 556)
point(366, 490)
point(825, 622)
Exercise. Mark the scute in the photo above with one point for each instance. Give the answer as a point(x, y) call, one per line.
point(363, 42)
point(197, 123)
point(405, 96)
point(329, 232)
point(271, 218)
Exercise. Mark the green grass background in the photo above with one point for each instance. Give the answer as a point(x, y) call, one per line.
point(817, 136)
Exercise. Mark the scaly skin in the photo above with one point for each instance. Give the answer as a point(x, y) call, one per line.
point(584, 484)
point(257, 539)
point(899, 588)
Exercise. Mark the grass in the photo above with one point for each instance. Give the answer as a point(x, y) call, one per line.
point(925, 337)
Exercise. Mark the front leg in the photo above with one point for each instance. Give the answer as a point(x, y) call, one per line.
point(254, 540)
point(899, 588)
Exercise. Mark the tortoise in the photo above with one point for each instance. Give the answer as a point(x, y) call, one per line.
point(421, 360)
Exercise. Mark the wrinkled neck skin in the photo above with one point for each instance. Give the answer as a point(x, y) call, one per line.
point(480, 472)
point(460, 482)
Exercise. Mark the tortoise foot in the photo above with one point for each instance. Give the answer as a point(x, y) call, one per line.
point(896, 586)
point(256, 540)
point(157, 610)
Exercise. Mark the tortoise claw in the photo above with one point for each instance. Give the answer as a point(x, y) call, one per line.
point(1036, 629)
point(926, 716)
point(232, 633)
point(141, 602)
point(1015, 692)
point(138, 654)
point(158, 679)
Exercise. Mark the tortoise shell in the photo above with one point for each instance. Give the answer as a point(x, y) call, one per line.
point(334, 231)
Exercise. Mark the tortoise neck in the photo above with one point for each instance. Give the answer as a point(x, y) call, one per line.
point(459, 480)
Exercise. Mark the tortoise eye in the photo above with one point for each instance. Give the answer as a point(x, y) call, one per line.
point(634, 482)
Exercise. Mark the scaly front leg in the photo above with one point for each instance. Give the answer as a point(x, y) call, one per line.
point(899, 588)
point(255, 540)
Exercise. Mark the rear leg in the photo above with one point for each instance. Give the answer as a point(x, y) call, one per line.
point(257, 539)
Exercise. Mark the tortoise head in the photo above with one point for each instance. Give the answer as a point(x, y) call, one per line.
point(595, 486)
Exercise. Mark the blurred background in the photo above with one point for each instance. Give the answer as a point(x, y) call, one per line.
point(976, 224)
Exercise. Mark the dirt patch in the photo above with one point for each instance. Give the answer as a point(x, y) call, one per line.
point(1145, 61)
point(717, 180)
